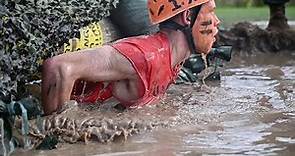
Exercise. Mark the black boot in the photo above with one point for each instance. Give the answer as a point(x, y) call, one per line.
point(278, 20)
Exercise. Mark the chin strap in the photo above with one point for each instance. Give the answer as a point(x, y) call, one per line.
point(187, 29)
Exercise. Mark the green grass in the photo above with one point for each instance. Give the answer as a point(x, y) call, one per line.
point(232, 15)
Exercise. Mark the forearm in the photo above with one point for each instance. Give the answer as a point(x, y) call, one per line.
point(56, 86)
point(60, 73)
point(49, 88)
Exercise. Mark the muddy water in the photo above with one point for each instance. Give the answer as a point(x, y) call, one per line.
point(251, 111)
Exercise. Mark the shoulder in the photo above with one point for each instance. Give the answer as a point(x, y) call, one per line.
point(152, 39)
point(142, 44)
point(117, 61)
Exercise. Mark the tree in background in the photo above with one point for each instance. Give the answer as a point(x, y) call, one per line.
point(246, 3)
point(278, 19)
point(239, 3)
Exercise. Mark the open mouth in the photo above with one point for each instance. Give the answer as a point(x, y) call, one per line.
point(215, 36)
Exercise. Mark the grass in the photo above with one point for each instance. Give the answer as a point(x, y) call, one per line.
point(231, 15)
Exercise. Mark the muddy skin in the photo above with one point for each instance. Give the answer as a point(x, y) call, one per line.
point(250, 38)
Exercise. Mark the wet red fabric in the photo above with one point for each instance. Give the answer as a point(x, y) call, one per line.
point(151, 58)
point(91, 92)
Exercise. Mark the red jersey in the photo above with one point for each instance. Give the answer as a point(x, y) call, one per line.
point(150, 56)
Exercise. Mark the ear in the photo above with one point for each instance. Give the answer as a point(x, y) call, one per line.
point(186, 17)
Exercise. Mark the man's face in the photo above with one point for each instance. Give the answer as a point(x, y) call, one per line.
point(205, 28)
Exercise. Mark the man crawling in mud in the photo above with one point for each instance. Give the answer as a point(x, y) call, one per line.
point(137, 70)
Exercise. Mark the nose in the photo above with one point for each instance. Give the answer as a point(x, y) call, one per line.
point(217, 21)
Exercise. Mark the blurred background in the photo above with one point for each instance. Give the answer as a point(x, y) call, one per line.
point(234, 11)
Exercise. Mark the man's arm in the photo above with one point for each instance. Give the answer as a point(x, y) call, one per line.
point(60, 72)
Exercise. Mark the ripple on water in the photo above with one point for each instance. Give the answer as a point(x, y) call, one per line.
point(235, 135)
point(274, 82)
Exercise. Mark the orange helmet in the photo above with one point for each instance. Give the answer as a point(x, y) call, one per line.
point(161, 10)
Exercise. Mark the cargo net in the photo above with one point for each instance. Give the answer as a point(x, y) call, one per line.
point(75, 124)
point(32, 131)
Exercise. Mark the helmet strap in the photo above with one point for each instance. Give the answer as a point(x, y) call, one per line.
point(194, 14)
point(187, 29)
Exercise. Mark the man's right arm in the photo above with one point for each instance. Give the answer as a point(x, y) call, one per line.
point(97, 64)
point(100, 64)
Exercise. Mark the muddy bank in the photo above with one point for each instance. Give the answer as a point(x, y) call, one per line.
point(251, 38)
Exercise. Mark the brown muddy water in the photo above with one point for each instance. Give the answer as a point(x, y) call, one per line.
point(251, 111)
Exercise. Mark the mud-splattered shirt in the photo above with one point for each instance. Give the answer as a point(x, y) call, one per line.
point(150, 56)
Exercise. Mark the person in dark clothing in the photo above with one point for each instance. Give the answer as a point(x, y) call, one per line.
point(278, 19)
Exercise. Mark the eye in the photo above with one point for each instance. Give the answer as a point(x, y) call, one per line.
point(206, 23)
